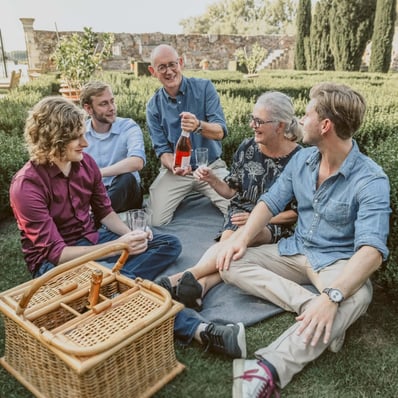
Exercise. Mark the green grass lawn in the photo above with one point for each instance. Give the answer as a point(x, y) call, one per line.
point(367, 366)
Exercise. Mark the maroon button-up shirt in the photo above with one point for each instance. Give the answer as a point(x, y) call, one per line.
point(53, 211)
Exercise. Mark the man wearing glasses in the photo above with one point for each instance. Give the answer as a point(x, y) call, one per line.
point(188, 104)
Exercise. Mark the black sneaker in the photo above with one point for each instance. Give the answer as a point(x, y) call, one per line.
point(164, 281)
point(189, 291)
point(225, 339)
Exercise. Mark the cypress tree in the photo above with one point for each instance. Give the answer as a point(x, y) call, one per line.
point(303, 26)
point(351, 26)
point(383, 33)
point(321, 57)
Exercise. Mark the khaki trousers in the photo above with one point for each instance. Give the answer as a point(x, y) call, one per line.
point(264, 273)
point(168, 191)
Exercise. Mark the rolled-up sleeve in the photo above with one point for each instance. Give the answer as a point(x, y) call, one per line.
point(372, 222)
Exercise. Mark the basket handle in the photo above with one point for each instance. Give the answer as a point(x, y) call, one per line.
point(39, 282)
point(135, 329)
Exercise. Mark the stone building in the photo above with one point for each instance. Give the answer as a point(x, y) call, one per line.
point(218, 49)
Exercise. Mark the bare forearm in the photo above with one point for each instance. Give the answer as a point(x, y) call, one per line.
point(212, 131)
point(287, 217)
point(259, 217)
point(357, 270)
point(222, 188)
point(127, 165)
point(167, 160)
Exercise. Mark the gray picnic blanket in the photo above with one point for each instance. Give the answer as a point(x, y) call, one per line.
point(196, 223)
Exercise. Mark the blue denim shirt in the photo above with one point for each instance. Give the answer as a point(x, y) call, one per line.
point(124, 139)
point(349, 210)
point(197, 96)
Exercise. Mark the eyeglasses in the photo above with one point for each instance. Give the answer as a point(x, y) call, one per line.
point(162, 68)
point(258, 122)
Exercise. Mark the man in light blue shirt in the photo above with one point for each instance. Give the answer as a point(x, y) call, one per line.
point(191, 105)
point(116, 144)
point(339, 241)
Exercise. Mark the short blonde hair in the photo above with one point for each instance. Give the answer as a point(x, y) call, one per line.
point(341, 104)
point(51, 125)
point(92, 89)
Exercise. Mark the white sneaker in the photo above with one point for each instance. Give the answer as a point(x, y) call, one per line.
point(252, 379)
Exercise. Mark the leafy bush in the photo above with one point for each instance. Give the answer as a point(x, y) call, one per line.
point(77, 57)
point(377, 136)
point(13, 155)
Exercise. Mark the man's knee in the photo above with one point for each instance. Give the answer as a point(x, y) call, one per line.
point(230, 275)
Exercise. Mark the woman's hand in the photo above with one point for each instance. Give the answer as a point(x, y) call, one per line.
point(204, 173)
point(240, 218)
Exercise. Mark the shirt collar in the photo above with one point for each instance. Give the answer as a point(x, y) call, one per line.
point(90, 129)
point(345, 169)
point(181, 90)
point(54, 170)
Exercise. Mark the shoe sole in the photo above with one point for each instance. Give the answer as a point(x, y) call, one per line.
point(241, 338)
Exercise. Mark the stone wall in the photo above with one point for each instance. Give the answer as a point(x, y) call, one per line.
point(218, 49)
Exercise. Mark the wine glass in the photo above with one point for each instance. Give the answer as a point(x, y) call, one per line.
point(202, 156)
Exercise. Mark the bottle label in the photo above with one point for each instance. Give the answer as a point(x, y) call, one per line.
point(185, 162)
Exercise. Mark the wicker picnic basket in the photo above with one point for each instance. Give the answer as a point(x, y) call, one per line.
point(121, 347)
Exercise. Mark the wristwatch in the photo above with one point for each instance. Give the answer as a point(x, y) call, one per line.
point(200, 128)
point(334, 295)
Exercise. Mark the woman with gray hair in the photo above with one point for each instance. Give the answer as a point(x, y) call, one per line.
point(256, 165)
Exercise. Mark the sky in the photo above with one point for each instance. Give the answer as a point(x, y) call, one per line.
point(118, 16)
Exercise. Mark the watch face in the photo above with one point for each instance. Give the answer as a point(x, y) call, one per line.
point(336, 295)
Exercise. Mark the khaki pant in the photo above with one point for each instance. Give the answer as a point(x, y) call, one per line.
point(262, 272)
point(169, 190)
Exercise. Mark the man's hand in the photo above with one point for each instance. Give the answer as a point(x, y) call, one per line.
point(317, 320)
point(230, 249)
point(189, 122)
point(136, 240)
point(182, 171)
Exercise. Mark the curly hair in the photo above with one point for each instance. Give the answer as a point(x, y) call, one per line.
point(51, 125)
point(280, 107)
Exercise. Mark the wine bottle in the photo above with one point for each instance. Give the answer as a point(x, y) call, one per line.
point(96, 279)
point(182, 155)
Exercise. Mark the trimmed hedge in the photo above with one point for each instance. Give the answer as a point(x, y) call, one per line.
point(377, 136)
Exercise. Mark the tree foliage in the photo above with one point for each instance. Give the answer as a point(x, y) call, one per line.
point(351, 26)
point(383, 33)
point(320, 54)
point(243, 17)
point(79, 56)
point(251, 59)
point(303, 24)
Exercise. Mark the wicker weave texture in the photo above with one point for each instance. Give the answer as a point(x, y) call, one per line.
point(121, 348)
point(137, 370)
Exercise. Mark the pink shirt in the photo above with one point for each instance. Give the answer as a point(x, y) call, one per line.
point(53, 211)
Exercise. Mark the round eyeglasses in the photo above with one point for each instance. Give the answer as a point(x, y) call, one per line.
point(162, 68)
point(258, 122)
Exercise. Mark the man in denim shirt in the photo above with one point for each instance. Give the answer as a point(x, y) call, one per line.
point(188, 104)
point(340, 240)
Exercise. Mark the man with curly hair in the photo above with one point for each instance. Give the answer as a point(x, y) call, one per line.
point(59, 192)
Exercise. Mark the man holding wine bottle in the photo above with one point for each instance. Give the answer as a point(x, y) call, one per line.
point(188, 106)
